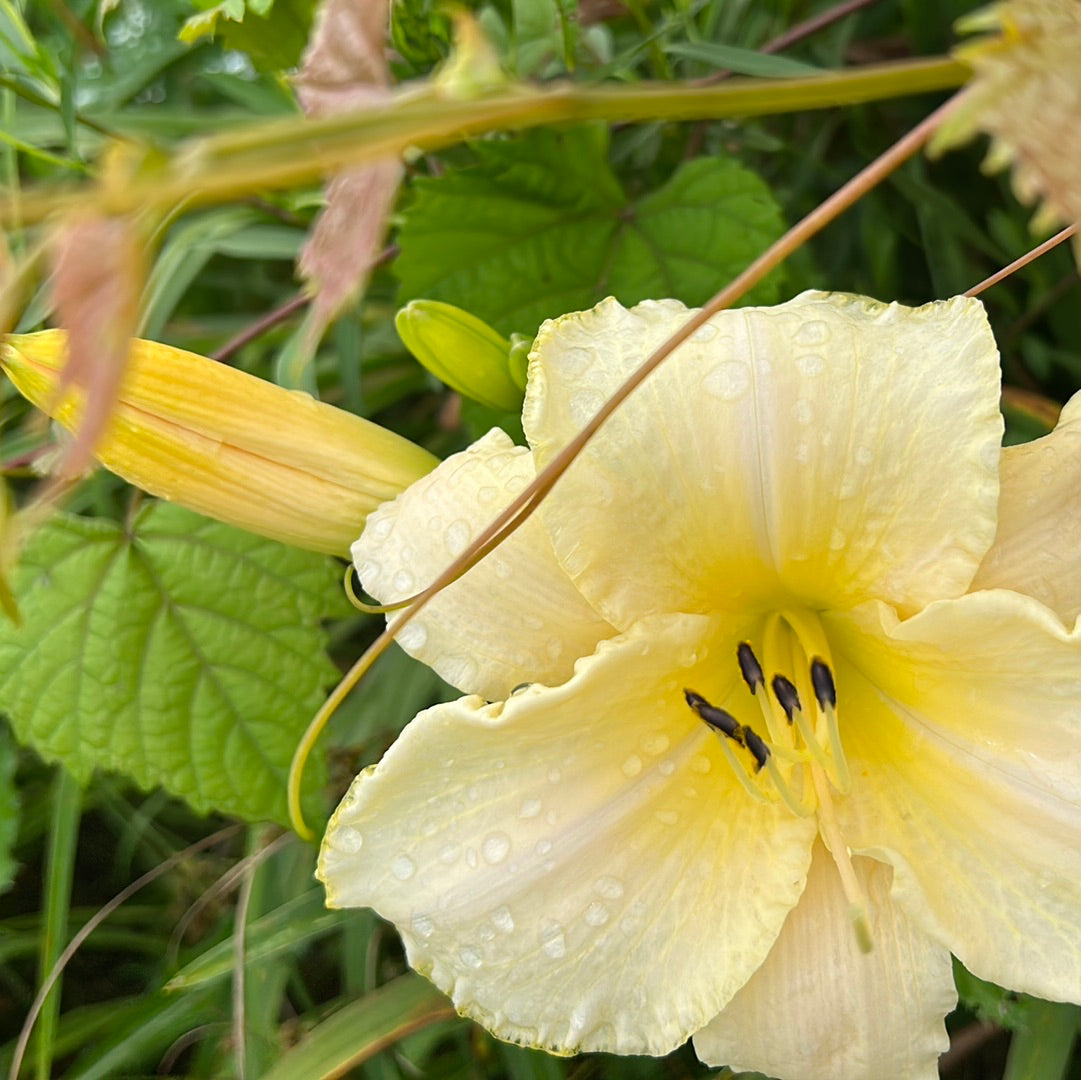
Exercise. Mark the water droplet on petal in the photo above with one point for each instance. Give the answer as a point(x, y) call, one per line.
point(404, 581)
point(423, 926)
point(728, 381)
point(632, 766)
point(449, 853)
point(704, 333)
point(552, 941)
point(596, 914)
point(503, 920)
point(812, 332)
point(403, 867)
point(667, 817)
point(666, 767)
point(495, 848)
point(609, 887)
point(469, 956)
point(810, 364)
point(655, 743)
point(530, 808)
point(542, 847)
point(554, 776)
point(701, 764)
point(412, 637)
point(457, 536)
point(347, 840)
point(370, 571)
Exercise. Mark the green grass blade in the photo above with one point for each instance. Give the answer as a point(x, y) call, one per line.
point(363, 1028)
point(59, 871)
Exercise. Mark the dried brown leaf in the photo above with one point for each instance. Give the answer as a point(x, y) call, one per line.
point(345, 63)
point(345, 68)
point(97, 275)
point(1026, 94)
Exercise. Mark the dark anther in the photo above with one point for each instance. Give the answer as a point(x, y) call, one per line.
point(822, 678)
point(786, 696)
point(750, 667)
point(717, 719)
point(757, 747)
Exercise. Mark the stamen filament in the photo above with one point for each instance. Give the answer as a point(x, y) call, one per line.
point(814, 747)
point(840, 777)
point(799, 808)
point(740, 770)
point(830, 830)
point(779, 735)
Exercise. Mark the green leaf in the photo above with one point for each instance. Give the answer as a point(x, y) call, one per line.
point(272, 32)
point(363, 1028)
point(182, 652)
point(542, 226)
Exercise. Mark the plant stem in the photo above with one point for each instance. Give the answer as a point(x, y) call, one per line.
point(285, 153)
point(1043, 1047)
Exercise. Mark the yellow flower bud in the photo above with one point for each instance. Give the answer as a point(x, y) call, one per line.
point(273, 461)
point(461, 351)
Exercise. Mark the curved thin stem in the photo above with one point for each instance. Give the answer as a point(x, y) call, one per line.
point(1025, 259)
point(531, 497)
point(91, 925)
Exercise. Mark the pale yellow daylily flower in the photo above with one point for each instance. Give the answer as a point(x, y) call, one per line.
point(222, 442)
point(590, 862)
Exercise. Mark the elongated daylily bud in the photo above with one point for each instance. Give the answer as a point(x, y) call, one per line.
point(273, 461)
point(461, 351)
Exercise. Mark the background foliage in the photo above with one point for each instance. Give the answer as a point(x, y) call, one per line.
point(170, 663)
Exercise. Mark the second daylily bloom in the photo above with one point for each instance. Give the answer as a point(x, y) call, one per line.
point(273, 461)
point(772, 706)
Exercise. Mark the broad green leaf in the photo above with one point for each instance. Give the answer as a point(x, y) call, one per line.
point(541, 226)
point(179, 651)
point(272, 32)
point(363, 1028)
point(9, 810)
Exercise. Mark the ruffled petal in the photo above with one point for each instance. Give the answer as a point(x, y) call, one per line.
point(515, 617)
point(577, 867)
point(820, 1009)
point(831, 449)
point(963, 729)
point(1039, 519)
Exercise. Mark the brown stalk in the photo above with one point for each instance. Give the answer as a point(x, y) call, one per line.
point(528, 501)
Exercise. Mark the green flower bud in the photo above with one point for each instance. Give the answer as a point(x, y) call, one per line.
point(461, 351)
